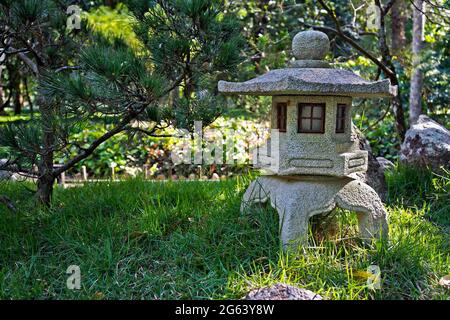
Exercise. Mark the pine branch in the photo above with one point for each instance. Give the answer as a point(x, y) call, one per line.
point(67, 68)
point(338, 31)
point(355, 45)
point(33, 66)
point(151, 133)
point(439, 8)
point(122, 126)
point(39, 59)
point(88, 151)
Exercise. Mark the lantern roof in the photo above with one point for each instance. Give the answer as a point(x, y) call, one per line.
point(310, 75)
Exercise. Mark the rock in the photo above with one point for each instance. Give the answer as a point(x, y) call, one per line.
point(281, 291)
point(192, 176)
point(8, 175)
point(16, 177)
point(385, 163)
point(427, 144)
point(4, 175)
point(445, 281)
point(215, 176)
point(374, 176)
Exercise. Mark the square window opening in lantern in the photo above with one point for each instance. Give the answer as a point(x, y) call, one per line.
point(281, 116)
point(340, 118)
point(311, 118)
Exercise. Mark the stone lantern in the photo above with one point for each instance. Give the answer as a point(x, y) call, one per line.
point(313, 152)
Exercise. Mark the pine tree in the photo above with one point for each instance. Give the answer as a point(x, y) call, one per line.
point(186, 44)
point(35, 32)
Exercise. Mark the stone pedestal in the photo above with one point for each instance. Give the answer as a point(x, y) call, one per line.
point(298, 198)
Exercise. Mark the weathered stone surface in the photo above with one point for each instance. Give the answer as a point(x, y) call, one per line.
point(445, 281)
point(298, 198)
point(427, 143)
point(310, 45)
point(324, 153)
point(281, 291)
point(4, 175)
point(318, 81)
point(310, 171)
point(385, 164)
point(374, 175)
point(309, 64)
point(310, 75)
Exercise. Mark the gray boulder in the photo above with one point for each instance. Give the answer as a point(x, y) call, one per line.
point(427, 144)
point(385, 163)
point(4, 175)
point(281, 291)
point(374, 176)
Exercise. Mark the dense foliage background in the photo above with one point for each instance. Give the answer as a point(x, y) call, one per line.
point(267, 28)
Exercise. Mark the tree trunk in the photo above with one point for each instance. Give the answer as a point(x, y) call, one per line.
point(2, 106)
point(17, 100)
point(45, 189)
point(46, 175)
point(415, 94)
point(3, 96)
point(386, 58)
point(398, 18)
point(14, 86)
point(27, 94)
point(397, 107)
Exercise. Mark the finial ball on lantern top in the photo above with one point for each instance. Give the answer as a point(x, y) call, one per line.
point(310, 45)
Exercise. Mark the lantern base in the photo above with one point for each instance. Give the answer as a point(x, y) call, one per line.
point(298, 198)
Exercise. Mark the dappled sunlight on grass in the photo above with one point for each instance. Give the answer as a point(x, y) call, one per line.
point(187, 239)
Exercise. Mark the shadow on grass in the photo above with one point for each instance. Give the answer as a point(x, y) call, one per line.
point(145, 240)
point(421, 190)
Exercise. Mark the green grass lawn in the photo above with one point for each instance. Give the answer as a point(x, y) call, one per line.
point(148, 240)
